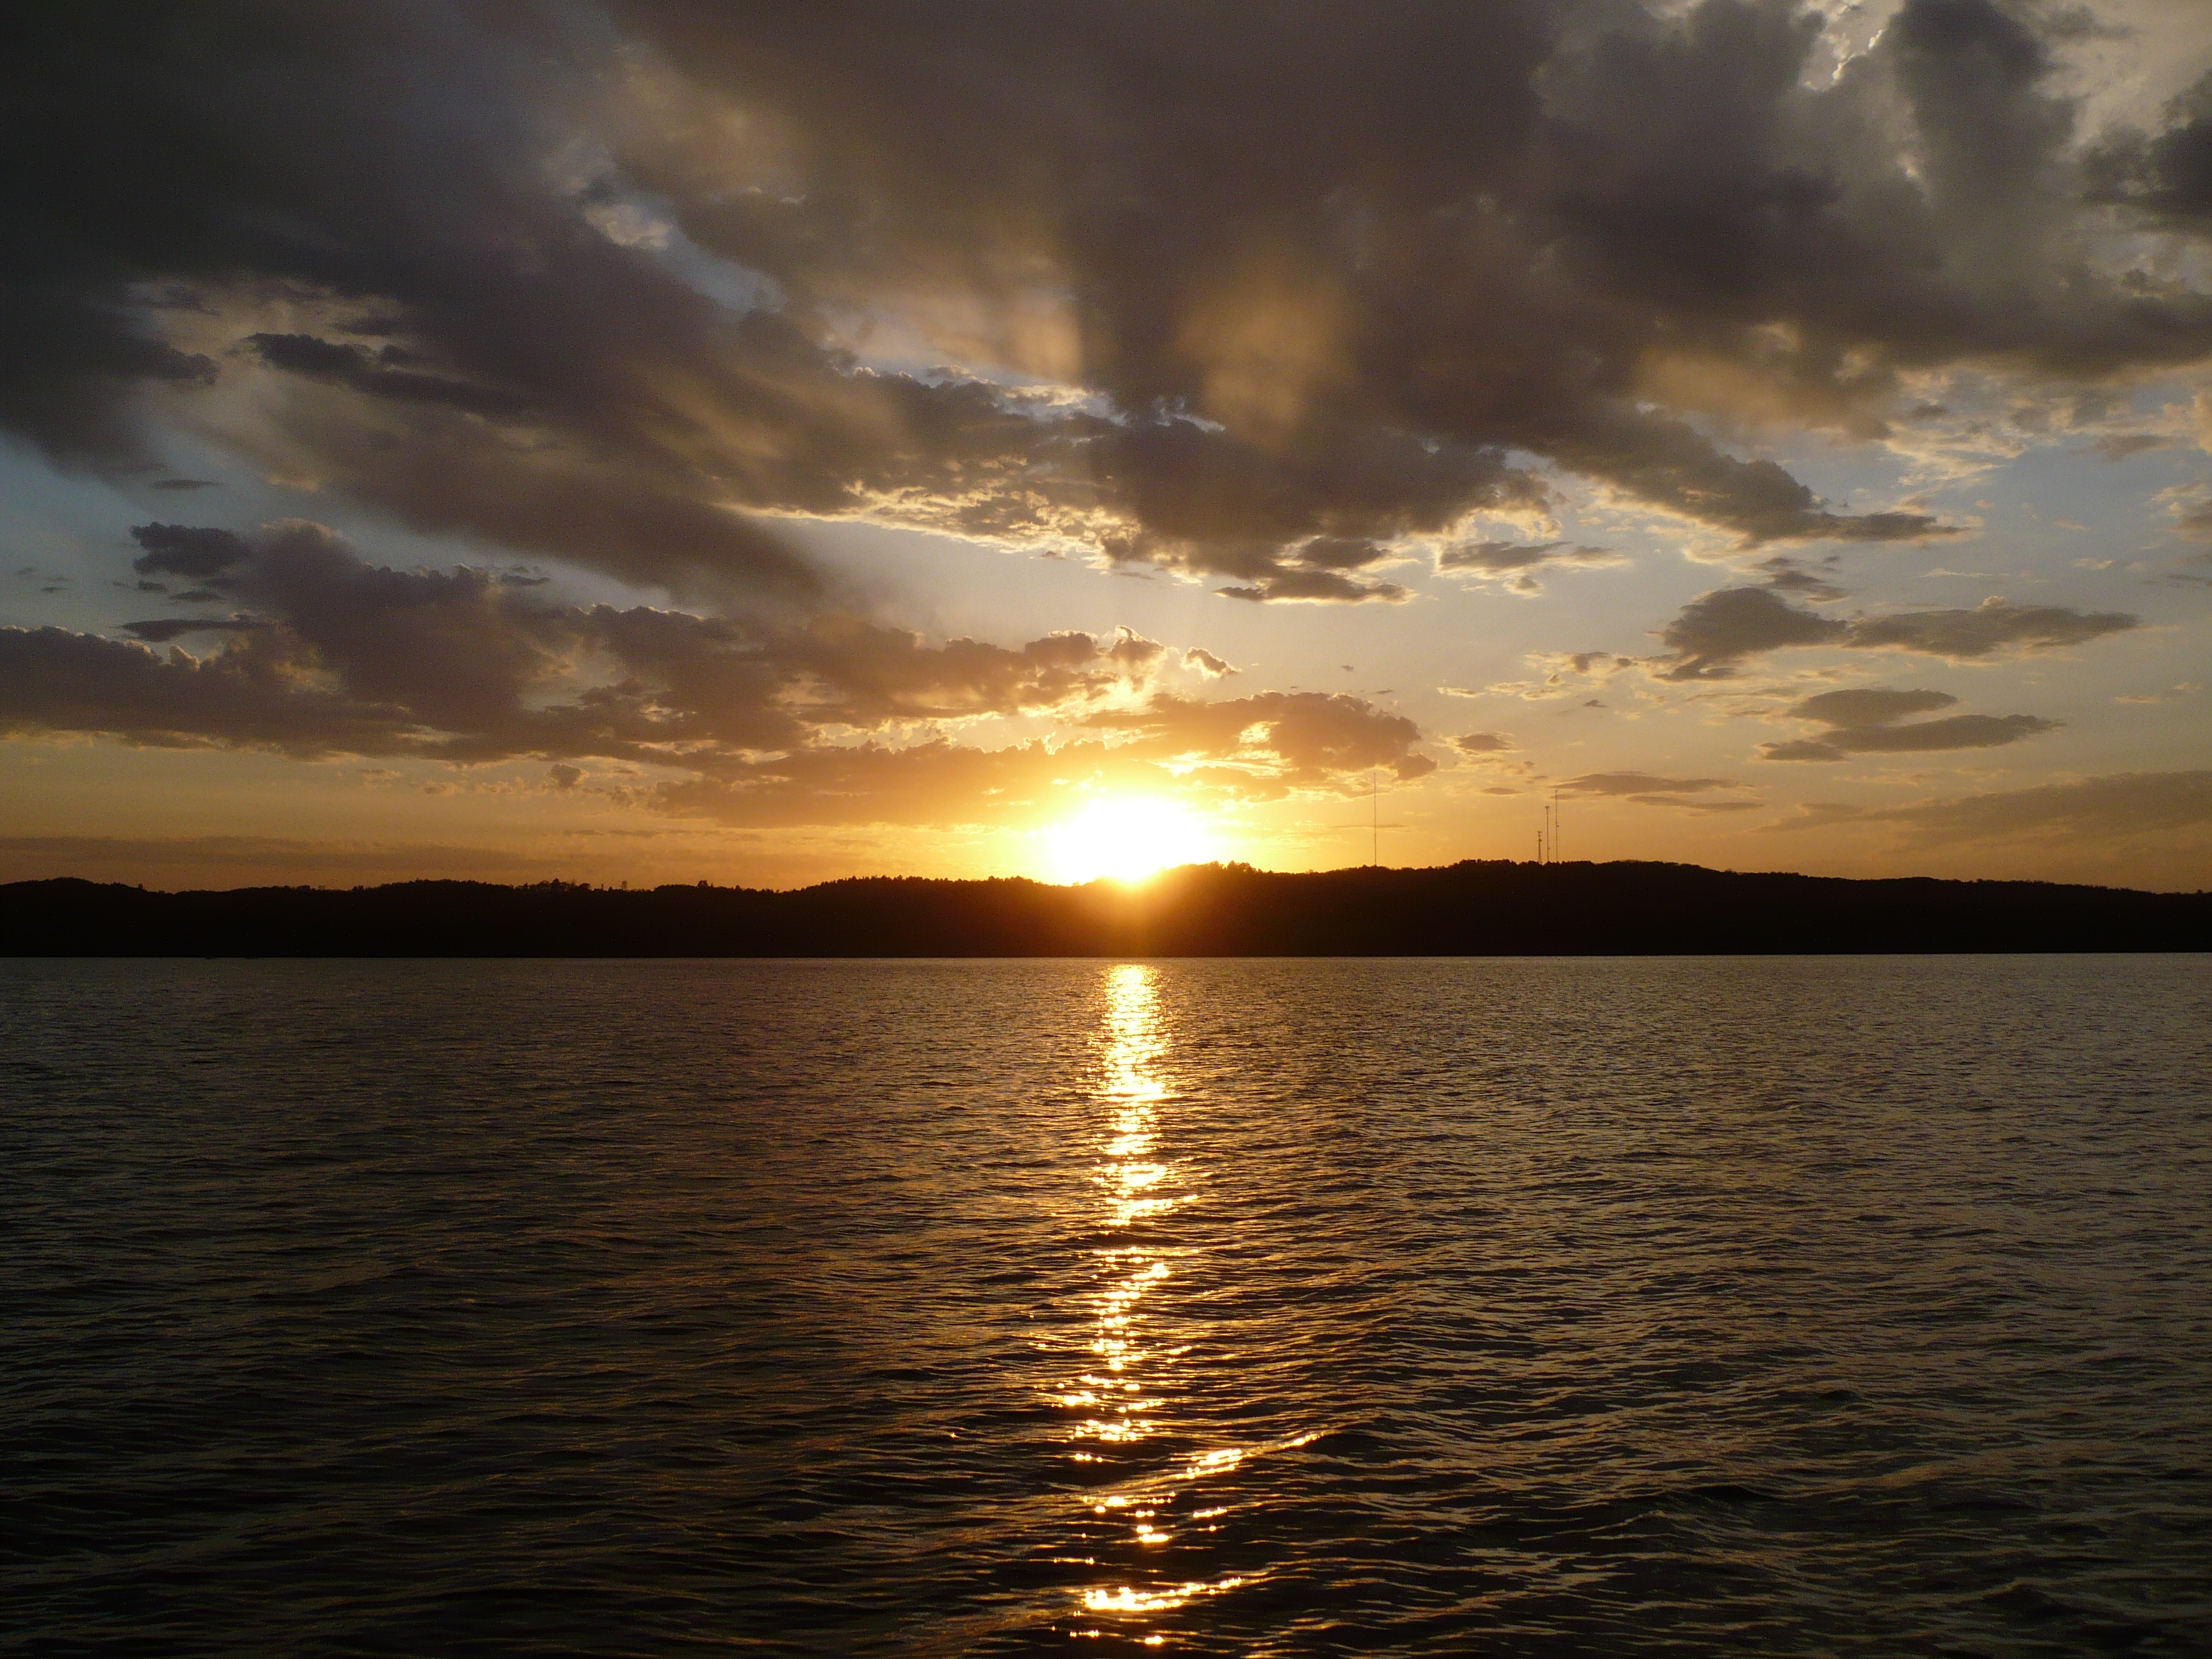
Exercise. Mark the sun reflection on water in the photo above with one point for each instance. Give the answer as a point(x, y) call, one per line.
point(1126, 1384)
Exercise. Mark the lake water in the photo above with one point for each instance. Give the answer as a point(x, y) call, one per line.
point(1563, 1307)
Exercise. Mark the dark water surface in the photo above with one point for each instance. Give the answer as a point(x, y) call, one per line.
point(1759, 1306)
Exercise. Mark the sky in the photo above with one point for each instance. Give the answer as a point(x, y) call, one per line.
point(687, 441)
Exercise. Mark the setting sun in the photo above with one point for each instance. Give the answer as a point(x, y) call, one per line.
point(1129, 840)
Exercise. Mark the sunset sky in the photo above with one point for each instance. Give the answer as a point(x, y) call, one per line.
point(760, 443)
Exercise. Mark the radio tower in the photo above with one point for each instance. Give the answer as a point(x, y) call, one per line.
point(1374, 825)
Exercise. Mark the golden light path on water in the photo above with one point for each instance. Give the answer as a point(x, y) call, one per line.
point(1124, 1391)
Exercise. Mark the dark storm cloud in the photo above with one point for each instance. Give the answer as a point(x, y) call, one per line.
point(1874, 722)
point(165, 169)
point(1319, 275)
point(1718, 632)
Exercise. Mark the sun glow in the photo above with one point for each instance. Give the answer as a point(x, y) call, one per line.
point(1128, 838)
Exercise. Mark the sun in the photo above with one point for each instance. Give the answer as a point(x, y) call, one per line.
point(1128, 837)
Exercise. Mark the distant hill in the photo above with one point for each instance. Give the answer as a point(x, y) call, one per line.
point(1474, 909)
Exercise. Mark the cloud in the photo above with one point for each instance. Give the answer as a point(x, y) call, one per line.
point(2118, 446)
point(331, 654)
point(176, 550)
point(1483, 742)
point(1316, 569)
point(1139, 283)
point(1320, 586)
point(1994, 626)
point(224, 861)
point(936, 782)
point(1522, 563)
point(1920, 737)
point(1299, 738)
point(1869, 706)
point(54, 680)
point(2123, 804)
point(1286, 312)
point(2168, 176)
point(378, 375)
point(1642, 783)
point(1872, 720)
point(2181, 690)
point(160, 630)
point(1788, 575)
point(1716, 633)
point(2192, 513)
point(1565, 673)
point(1643, 789)
point(1252, 749)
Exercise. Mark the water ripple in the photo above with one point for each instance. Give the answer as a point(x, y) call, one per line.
point(1255, 1308)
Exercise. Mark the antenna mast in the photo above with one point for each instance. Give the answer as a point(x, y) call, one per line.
point(1374, 825)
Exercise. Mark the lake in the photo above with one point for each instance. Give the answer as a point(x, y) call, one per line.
point(1775, 1306)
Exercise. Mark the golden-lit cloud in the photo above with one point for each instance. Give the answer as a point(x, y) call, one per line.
point(838, 718)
